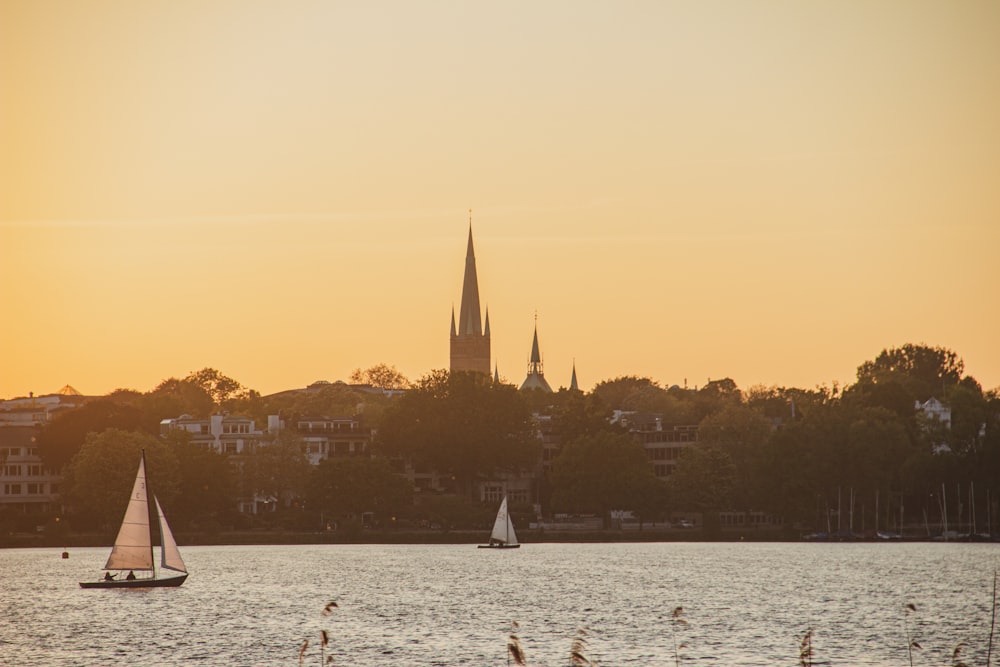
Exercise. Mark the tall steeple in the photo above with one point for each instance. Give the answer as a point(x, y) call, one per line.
point(470, 345)
point(536, 376)
point(573, 386)
point(469, 318)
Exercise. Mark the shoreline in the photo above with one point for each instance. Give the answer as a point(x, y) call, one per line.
point(269, 538)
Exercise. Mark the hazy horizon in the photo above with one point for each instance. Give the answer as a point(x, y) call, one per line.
point(771, 192)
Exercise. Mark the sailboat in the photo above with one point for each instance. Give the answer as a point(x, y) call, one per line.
point(503, 536)
point(133, 549)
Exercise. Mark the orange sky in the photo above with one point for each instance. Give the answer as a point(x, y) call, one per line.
point(770, 191)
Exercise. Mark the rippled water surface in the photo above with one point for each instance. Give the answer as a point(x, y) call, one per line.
point(745, 604)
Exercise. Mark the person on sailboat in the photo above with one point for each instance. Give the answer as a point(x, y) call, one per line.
point(108, 576)
point(131, 575)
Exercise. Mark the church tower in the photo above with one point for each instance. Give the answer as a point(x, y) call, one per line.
point(536, 376)
point(470, 338)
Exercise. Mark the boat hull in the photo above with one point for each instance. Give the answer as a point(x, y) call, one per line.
point(168, 582)
point(499, 546)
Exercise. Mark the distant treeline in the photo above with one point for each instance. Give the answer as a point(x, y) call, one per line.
point(795, 453)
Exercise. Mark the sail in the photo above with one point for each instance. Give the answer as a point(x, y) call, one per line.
point(503, 528)
point(133, 548)
point(171, 556)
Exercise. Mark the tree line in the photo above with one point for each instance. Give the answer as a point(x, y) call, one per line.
point(786, 451)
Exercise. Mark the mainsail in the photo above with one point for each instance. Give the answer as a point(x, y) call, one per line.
point(171, 556)
point(503, 529)
point(133, 548)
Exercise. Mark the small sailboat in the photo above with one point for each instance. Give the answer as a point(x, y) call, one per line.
point(503, 535)
point(133, 550)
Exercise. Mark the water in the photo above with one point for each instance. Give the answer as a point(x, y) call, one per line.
point(745, 604)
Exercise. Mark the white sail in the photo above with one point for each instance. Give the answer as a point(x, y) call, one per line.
point(171, 556)
point(133, 548)
point(503, 528)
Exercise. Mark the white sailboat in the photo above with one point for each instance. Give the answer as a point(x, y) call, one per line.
point(133, 549)
point(503, 535)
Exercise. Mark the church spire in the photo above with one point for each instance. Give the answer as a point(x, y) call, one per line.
point(470, 343)
point(573, 386)
point(535, 363)
point(536, 376)
point(469, 315)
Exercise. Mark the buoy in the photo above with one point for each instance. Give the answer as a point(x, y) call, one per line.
point(65, 554)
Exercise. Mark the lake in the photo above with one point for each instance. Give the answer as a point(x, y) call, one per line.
point(744, 604)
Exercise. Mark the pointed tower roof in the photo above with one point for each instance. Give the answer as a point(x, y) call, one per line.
point(496, 374)
point(486, 327)
point(469, 315)
point(536, 357)
point(453, 331)
point(572, 383)
point(536, 376)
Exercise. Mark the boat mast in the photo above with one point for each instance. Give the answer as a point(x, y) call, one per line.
point(149, 513)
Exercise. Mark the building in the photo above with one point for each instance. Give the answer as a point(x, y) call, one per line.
point(222, 433)
point(536, 374)
point(663, 443)
point(935, 410)
point(936, 421)
point(470, 337)
point(26, 485)
point(332, 437)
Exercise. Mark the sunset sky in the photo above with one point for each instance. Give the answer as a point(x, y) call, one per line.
point(768, 191)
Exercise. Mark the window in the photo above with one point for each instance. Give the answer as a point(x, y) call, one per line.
point(35, 489)
point(12, 489)
point(519, 496)
point(492, 493)
point(34, 471)
point(12, 471)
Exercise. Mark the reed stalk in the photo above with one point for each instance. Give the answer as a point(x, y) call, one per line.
point(514, 650)
point(676, 621)
point(577, 651)
point(993, 620)
point(806, 649)
point(910, 642)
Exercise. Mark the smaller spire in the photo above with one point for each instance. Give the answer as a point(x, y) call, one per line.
point(536, 357)
point(454, 332)
point(486, 332)
point(573, 386)
point(496, 374)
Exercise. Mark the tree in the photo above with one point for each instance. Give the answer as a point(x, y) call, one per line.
point(99, 479)
point(703, 480)
point(576, 415)
point(600, 473)
point(462, 424)
point(922, 371)
point(969, 414)
point(349, 486)
point(220, 387)
point(206, 483)
point(381, 376)
point(173, 398)
point(279, 469)
point(741, 433)
point(61, 439)
point(630, 392)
